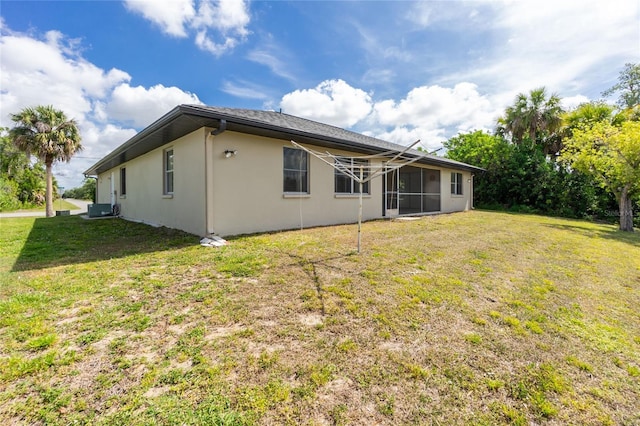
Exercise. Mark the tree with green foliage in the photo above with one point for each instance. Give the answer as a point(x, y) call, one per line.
point(628, 87)
point(48, 134)
point(534, 119)
point(522, 178)
point(483, 150)
point(32, 185)
point(12, 160)
point(85, 192)
point(521, 175)
point(515, 176)
point(8, 195)
point(612, 155)
point(589, 113)
point(478, 148)
point(22, 183)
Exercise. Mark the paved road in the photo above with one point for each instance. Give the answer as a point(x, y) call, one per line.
point(81, 204)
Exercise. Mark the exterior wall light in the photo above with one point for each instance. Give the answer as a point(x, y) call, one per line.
point(228, 153)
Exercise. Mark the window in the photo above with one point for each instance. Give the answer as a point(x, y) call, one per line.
point(123, 181)
point(456, 183)
point(346, 185)
point(168, 172)
point(295, 171)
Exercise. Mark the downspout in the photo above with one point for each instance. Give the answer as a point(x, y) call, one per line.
point(471, 191)
point(221, 128)
point(360, 207)
point(215, 132)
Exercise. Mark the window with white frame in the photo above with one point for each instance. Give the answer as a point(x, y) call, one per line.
point(347, 185)
point(123, 181)
point(295, 171)
point(456, 183)
point(168, 171)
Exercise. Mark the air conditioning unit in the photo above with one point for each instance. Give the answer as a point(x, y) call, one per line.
point(99, 210)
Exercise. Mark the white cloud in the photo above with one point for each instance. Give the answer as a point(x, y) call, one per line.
point(583, 31)
point(381, 52)
point(429, 113)
point(271, 60)
point(226, 16)
point(97, 140)
point(229, 18)
point(434, 114)
point(205, 42)
point(276, 57)
point(376, 44)
point(218, 26)
point(461, 105)
point(246, 90)
point(563, 45)
point(55, 73)
point(50, 74)
point(140, 106)
point(570, 102)
point(171, 16)
point(444, 13)
point(430, 139)
point(332, 102)
point(378, 76)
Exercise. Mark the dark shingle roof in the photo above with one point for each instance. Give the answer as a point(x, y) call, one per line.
point(303, 125)
point(184, 119)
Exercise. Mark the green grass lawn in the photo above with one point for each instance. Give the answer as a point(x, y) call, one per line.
point(473, 318)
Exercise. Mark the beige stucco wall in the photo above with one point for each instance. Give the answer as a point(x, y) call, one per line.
point(145, 201)
point(248, 197)
point(103, 188)
point(243, 194)
point(455, 203)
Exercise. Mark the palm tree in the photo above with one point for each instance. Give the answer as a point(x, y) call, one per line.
point(535, 118)
point(46, 133)
point(590, 113)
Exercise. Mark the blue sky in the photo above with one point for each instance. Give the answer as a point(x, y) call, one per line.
point(397, 70)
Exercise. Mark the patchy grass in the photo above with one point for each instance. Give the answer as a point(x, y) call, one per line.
point(474, 318)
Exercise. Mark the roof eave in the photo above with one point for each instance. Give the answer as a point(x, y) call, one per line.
point(156, 125)
point(313, 139)
point(234, 123)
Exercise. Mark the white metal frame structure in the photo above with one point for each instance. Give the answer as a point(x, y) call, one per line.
point(391, 160)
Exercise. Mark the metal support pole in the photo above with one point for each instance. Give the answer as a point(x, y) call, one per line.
point(360, 209)
point(348, 169)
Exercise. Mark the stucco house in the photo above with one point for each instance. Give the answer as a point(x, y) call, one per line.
point(226, 171)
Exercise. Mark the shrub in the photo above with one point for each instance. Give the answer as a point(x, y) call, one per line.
point(8, 195)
